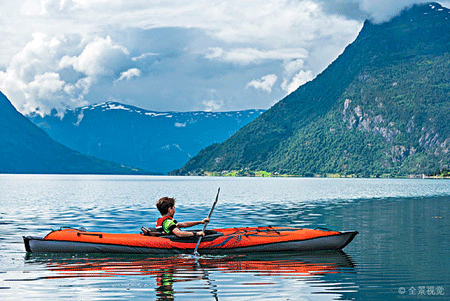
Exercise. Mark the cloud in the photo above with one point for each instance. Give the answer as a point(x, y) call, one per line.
point(299, 79)
point(377, 11)
point(294, 75)
point(144, 56)
point(199, 45)
point(292, 67)
point(31, 80)
point(129, 74)
point(43, 77)
point(178, 50)
point(383, 10)
point(265, 83)
point(212, 105)
point(100, 57)
point(46, 85)
point(246, 56)
point(79, 118)
point(65, 6)
point(30, 8)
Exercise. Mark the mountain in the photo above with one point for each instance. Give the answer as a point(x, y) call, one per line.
point(382, 108)
point(25, 148)
point(154, 141)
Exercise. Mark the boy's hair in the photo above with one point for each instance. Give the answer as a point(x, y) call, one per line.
point(164, 204)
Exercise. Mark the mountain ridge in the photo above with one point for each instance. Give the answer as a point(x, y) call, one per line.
point(376, 110)
point(151, 140)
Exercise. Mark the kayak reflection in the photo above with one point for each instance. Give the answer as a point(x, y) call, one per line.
point(101, 265)
point(168, 270)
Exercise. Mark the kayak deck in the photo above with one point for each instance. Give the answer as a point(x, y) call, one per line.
point(217, 241)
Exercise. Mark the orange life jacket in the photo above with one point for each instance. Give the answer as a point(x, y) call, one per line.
point(160, 221)
point(159, 224)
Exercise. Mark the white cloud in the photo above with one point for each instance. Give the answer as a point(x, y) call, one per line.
point(292, 67)
point(79, 118)
point(64, 6)
point(102, 57)
point(275, 24)
point(35, 79)
point(144, 56)
point(30, 8)
point(31, 80)
point(86, 45)
point(383, 10)
point(36, 57)
point(299, 79)
point(212, 105)
point(46, 85)
point(246, 56)
point(245, 34)
point(129, 74)
point(265, 83)
point(294, 75)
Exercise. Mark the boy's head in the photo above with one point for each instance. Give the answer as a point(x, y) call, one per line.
point(164, 204)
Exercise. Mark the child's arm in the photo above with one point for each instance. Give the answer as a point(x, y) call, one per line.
point(191, 224)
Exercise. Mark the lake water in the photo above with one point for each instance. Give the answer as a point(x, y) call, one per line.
point(401, 253)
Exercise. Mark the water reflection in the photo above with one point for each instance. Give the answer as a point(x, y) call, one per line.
point(167, 271)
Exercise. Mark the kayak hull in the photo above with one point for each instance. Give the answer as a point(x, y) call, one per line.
point(225, 241)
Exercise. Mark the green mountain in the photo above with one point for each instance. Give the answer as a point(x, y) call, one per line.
point(381, 108)
point(25, 148)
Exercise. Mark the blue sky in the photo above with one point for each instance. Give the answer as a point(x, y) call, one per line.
point(173, 55)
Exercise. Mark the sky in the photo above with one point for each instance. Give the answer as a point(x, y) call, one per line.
point(173, 55)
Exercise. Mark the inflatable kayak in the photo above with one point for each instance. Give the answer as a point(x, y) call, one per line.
point(217, 241)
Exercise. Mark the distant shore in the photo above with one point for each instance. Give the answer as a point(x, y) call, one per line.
point(262, 174)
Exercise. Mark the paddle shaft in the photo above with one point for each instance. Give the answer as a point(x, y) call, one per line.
point(205, 224)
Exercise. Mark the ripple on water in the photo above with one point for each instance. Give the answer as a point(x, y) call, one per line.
point(401, 242)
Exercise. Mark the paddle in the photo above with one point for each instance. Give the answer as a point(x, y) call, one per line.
point(204, 225)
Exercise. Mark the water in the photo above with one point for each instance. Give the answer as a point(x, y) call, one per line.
point(401, 253)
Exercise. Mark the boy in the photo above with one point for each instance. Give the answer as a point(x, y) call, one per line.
point(166, 207)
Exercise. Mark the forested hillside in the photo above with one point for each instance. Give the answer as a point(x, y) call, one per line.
point(382, 108)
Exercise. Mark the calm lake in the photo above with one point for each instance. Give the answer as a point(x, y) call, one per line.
point(401, 253)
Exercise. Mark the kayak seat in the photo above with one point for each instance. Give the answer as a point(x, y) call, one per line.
point(209, 236)
point(151, 231)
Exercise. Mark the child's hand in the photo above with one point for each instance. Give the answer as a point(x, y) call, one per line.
point(206, 220)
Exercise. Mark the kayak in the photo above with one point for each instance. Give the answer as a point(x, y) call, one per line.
point(217, 241)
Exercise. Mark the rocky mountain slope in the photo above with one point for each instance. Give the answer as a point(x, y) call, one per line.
point(382, 108)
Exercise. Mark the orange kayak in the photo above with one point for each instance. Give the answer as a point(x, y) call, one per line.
point(217, 241)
